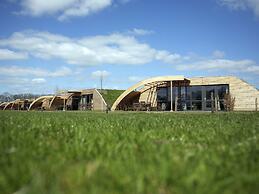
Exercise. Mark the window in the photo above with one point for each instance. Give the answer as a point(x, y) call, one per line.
point(188, 93)
point(196, 105)
point(210, 92)
point(193, 97)
point(162, 95)
point(196, 92)
point(222, 90)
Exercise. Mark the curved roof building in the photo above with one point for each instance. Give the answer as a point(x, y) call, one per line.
point(88, 99)
point(2, 105)
point(178, 93)
point(16, 105)
point(8, 105)
point(41, 103)
point(164, 93)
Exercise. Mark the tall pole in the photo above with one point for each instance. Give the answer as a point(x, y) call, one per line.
point(101, 82)
point(171, 92)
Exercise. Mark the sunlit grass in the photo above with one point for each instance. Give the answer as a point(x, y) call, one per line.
point(79, 152)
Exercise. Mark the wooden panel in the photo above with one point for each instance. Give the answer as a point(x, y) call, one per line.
point(244, 93)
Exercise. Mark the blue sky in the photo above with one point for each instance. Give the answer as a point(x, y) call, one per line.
point(68, 44)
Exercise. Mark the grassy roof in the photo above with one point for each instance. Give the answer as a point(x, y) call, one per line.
point(110, 96)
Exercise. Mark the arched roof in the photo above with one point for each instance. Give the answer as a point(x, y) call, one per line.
point(39, 100)
point(8, 105)
point(15, 104)
point(63, 97)
point(144, 82)
point(2, 105)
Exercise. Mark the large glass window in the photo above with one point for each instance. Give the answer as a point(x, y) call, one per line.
point(86, 101)
point(83, 100)
point(176, 93)
point(162, 95)
point(188, 93)
point(210, 92)
point(75, 102)
point(183, 93)
point(196, 105)
point(188, 105)
point(222, 90)
point(193, 97)
point(196, 92)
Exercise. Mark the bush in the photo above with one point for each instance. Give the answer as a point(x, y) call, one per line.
point(229, 102)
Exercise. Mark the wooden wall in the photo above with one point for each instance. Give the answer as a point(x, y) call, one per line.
point(244, 93)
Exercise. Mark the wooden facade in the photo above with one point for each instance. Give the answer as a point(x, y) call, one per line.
point(245, 95)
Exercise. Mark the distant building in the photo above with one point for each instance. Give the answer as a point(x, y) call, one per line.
point(87, 99)
point(17, 104)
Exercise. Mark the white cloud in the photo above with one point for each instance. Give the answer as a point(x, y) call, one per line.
point(84, 8)
point(6, 54)
point(65, 9)
point(30, 71)
point(242, 5)
point(247, 66)
point(135, 78)
point(167, 57)
point(38, 80)
point(23, 85)
point(140, 32)
point(218, 54)
point(61, 72)
point(13, 81)
point(98, 74)
point(115, 49)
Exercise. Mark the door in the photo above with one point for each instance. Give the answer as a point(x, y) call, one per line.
point(208, 94)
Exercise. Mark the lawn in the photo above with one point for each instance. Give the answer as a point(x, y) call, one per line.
point(156, 153)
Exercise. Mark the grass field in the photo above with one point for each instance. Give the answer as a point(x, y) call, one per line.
point(156, 153)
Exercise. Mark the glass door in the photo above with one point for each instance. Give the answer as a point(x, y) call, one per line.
point(208, 97)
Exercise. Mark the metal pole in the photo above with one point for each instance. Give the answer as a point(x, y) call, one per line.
point(101, 82)
point(171, 87)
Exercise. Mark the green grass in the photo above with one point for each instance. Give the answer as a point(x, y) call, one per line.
point(110, 95)
point(156, 153)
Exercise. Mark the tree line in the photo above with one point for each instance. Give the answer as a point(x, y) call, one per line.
point(7, 97)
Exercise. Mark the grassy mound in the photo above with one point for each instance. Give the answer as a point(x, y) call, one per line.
point(110, 96)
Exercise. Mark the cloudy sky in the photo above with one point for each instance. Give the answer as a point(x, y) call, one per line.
point(69, 44)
